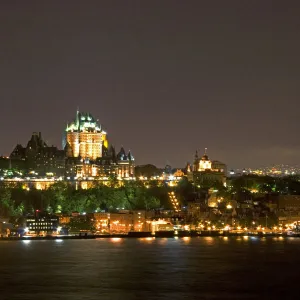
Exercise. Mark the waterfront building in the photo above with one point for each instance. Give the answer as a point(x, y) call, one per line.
point(123, 221)
point(41, 223)
point(288, 208)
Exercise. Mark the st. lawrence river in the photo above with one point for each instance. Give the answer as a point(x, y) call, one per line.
point(148, 268)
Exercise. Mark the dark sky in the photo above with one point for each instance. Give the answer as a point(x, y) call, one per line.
point(164, 77)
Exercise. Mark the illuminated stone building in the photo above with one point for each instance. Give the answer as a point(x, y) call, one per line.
point(37, 156)
point(85, 137)
point(119, 164)
point(123, 221)
point(88, 154)
point(203, 170)
point(85, 154)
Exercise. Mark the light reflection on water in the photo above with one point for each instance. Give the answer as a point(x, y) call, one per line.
point(147, 239)
point(116, 239)
point(186, 239)
point(209, 240)
point(149, 268)
point(26, 241)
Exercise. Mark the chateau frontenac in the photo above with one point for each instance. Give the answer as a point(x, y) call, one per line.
point(86, 153)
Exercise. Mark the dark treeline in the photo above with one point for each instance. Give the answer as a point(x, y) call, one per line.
point(64, 198)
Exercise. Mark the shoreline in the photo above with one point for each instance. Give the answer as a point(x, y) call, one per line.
point(162, 234)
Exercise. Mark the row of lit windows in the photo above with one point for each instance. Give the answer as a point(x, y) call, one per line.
point(40, 223)
point(42, 227)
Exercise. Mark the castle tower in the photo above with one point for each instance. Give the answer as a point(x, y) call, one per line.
point(85, 137)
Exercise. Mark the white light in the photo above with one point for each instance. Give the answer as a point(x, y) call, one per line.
point(26, 229)
point(26, 241)
point(59, 240)
point(116, 240)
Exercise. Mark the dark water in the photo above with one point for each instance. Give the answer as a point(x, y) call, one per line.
point(186, 268)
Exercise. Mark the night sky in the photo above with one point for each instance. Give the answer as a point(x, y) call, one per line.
point(164, 77)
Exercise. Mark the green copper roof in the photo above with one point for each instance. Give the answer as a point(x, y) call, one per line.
point(84, 122)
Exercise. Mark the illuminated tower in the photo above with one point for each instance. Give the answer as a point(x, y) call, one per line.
point(204, 163)
point(85, 137)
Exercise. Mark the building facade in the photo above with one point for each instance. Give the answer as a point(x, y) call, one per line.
point(88, 154)
point(85, 137)
point(85, 154)
point(42, 223)
point(38, 157)
point(203, 170)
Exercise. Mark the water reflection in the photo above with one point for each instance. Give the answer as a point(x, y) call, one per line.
point(116, 240)
point(162, 241)
point(142, 269)
point(147, 239)
point(209, 240)
point(186, 239)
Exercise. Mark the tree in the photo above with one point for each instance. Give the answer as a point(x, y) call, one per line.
point(113, 181)
point(6, 204)
point(147, 171)
point(184, 190)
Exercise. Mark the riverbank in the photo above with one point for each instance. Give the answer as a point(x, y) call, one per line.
point(159, 234)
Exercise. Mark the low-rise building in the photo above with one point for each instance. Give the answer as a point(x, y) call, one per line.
point(42, 223)
point(288, 208)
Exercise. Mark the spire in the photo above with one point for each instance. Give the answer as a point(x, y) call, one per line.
point(205, 151)
point(130, 156)
point(77, 118)
point(196, 155)
point(122, 150)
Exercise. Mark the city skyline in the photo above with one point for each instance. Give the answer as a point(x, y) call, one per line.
point(283, 168)
point(164, 78)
